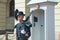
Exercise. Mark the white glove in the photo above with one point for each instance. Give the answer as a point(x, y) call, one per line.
point(26, 34)
point(23, 31)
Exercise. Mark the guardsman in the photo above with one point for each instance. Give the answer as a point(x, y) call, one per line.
point(22, 31)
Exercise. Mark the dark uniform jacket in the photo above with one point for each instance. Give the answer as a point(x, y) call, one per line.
point(19, 35)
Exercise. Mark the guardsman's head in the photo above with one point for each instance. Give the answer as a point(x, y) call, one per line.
point(19, 16)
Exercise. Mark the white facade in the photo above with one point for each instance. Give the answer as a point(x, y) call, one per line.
point(20, 5)
point(57, 21)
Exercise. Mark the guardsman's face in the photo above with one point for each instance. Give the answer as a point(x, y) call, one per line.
point(20, 18)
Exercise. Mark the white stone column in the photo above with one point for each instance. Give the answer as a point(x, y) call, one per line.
point(49, 22)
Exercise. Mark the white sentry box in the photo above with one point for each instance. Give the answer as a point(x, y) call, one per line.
point(43, 27)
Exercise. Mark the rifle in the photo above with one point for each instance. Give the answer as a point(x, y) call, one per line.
point(27, 18)
point(28, 24)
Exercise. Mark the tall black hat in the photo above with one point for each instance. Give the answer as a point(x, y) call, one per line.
point(20, 13)
point(17, 13)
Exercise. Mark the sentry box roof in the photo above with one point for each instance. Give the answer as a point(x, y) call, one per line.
point(41, 1)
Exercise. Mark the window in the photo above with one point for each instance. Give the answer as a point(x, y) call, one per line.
point(12, 6)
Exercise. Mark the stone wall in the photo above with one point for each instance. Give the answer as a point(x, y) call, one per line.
point(3, 14)
point(57, 21)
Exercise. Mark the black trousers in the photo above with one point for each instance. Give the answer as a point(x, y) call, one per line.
point(22, 38)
